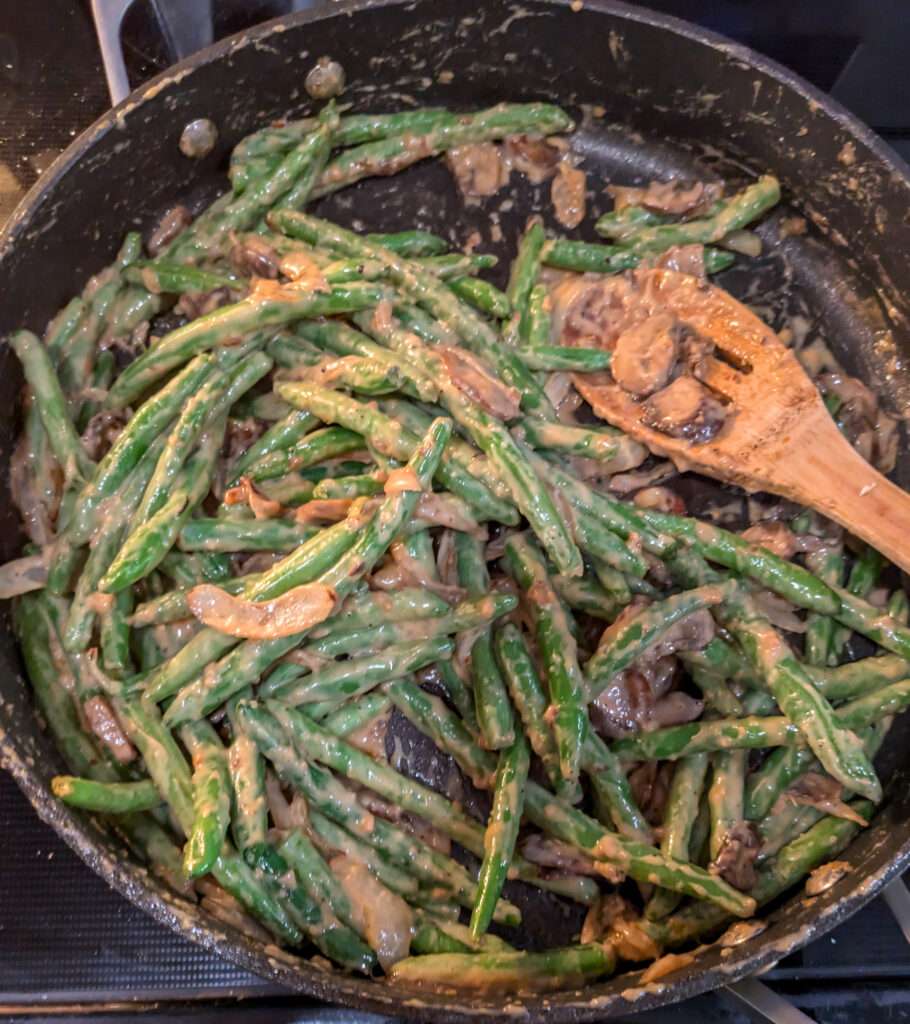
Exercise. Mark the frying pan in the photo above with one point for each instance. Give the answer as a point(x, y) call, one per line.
point(654, 97)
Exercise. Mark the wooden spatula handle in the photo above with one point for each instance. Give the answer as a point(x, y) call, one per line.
point(833, 478)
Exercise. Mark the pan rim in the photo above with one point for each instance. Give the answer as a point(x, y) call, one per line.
point(133, 882)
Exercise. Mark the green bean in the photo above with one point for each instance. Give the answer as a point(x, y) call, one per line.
point(501, 832)
point(469, 614)
point(534, 330)
point(618, 224)
point(481, 295)
point(145, 425)
point(106, 543)
point(556, 969)
point(396, 152)
point(345, 340)
point(356, 713)
point(375, 608)
point(102, 375)
point(337, 801)
point(172, 605)
point(211, 797)
point(106, 797)
point(601, 443)
point(557, 357)
point(837, 748)
point(394, 440)
point(459, 693)
point(355, 676)
point(612, 789)
point(558, 654)
point(820, 646)
point(679, 818)
point(525, 271)
point(303, 565)
point(754, 731)
point(494, 712)
point(779, 769)
point(589, 257)
point(588, 596)
point(333, 837)
point(434, 934)
point(411, 243)
point(617, 516)
point(307, 862)
point(819, 844)
point(335, 939)
point(359, 486)
point(725, 796)
point(145, 547)
point(316, 447)
point(177, 278)
point(254, 314)
point(51, 404)
point(530, 700)
point(458, 265)
point(180, 442)
point(429, 294)
point(244, 535)
point(736, 213)
point(63, 326)
point(114, 635)
point(445, 728)
point(171, 776)
point(638, 861)
point(623, 644)
point(283, 434)
point(245, 664)
point(274, 141)
point(863, 576)
point(249, 812)
point(899, 607)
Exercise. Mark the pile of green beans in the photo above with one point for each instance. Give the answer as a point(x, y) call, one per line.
point(311, 432)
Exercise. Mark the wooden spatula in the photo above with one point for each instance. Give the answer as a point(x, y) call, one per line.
point(778, 436)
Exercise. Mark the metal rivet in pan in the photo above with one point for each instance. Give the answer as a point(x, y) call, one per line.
point(325, 79)
point(198, 138)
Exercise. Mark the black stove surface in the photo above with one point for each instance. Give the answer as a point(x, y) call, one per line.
point(70, 947)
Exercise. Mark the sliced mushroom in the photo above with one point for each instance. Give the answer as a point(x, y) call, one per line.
point(478, 169)
point(645, 355)
point(536, 159)
point(684, 409)
point(169, 227)
point(674, 197)
point(735, 861)
point(252, 256)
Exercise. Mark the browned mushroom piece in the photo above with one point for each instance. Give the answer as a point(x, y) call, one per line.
point(254, 256)
point(735, 861)
point(684, 409)
point(168, 228)
point(645, 355)
point(478, 169)
point(536, 159)
point(673, 197)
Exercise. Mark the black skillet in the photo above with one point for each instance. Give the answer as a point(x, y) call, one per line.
point(655, 97)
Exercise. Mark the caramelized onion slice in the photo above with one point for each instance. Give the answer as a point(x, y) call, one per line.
point(298, 609)
point(23, 575)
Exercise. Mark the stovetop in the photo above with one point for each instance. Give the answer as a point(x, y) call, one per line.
point(72, 948)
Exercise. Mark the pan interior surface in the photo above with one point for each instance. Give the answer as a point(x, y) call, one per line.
point(652, 101)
